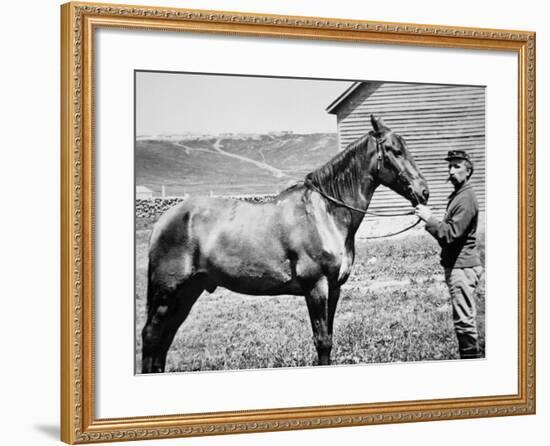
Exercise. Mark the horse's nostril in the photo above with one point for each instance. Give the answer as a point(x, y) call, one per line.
point(425, 194)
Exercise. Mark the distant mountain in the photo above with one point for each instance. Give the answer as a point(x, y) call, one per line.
point(229, 164)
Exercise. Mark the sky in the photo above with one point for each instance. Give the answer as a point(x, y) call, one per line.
point(178, 103)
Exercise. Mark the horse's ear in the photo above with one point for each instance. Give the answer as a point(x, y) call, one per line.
point(378, 124)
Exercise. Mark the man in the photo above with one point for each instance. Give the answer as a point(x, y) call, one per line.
point(456, 234)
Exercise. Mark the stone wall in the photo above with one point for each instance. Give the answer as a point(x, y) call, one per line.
point(151, 209)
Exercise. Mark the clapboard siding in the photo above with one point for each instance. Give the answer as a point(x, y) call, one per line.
point(432, 119)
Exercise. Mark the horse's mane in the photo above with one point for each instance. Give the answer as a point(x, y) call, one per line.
point(339, 176)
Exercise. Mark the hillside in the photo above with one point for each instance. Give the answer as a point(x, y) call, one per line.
point(229, 164)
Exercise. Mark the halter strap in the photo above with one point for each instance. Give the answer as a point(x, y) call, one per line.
point(380, 151)
point(380, 154)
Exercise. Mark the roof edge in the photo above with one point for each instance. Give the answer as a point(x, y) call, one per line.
point(334, 105)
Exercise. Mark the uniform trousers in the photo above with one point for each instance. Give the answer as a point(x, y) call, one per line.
point(462, 283)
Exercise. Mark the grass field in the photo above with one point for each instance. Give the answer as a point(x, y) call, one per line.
point(394, 307)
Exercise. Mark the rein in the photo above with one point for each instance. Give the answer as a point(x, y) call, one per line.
point(395, 233)
point(379, 161)
point(365, 212)
point(353, 208)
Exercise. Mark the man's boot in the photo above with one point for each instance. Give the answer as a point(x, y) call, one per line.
point(468, 346)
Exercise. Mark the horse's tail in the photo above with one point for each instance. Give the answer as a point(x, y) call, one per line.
point(151, 287)
point(150, 291)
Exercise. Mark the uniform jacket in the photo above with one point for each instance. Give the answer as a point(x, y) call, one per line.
point(456, 233)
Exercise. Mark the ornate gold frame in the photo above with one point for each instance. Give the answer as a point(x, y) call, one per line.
point(78, 424)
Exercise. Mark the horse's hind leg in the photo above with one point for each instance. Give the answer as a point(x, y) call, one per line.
point(165, 315)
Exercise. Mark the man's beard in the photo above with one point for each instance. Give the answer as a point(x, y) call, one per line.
point(453, 181)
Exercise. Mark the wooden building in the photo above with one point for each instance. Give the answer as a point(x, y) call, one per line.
point(431, 118)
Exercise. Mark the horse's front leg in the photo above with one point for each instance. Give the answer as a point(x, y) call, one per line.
point(333, 296)
point(317, 305)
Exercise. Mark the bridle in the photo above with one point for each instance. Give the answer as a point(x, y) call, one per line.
point(380, 154)
point(380, 158)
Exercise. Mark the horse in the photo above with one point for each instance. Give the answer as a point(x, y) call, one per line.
point(299, 243)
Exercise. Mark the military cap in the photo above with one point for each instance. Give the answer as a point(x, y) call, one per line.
point(458, 155)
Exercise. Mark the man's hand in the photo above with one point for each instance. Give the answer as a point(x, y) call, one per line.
point(423, 212)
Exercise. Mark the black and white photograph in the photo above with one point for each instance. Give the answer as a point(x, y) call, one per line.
point(244, 223)
point(290, 222)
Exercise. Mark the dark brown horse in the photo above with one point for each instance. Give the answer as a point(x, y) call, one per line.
point(300, 243)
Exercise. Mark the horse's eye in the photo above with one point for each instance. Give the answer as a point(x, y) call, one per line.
point(396, 150)
point(398, 146)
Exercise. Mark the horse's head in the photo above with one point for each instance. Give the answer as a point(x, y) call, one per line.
point(395, 166)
